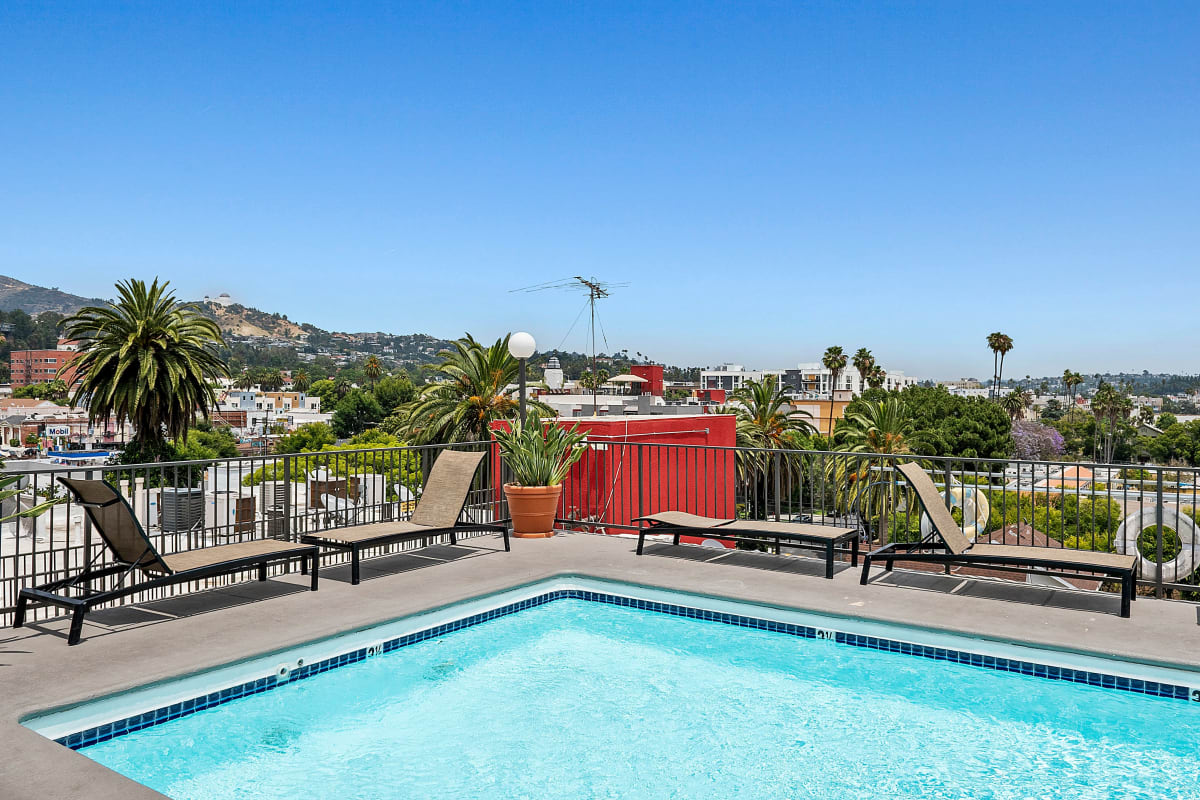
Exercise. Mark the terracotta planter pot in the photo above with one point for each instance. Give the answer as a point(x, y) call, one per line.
point(532, 509)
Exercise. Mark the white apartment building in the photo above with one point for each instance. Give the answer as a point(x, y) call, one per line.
point(809, 379)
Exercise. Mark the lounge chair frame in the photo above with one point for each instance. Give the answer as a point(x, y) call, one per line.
point(88, 598)
point(930, 551)
point(829, 546)
point(355, 548)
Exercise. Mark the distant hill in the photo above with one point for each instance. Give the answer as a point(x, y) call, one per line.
point(243, 321)
point(17, 295)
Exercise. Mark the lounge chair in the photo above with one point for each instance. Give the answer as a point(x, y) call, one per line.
point(825, 538)
point(113, 519)
point(956, 549)
point(437, 513)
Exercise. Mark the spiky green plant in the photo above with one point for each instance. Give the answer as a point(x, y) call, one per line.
point(538, 454)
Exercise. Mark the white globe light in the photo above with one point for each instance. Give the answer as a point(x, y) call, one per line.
point(521, 345)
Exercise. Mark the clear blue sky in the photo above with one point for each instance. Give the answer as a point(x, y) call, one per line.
point(769, 178)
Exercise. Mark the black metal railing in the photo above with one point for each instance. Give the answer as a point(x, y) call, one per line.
point(1115, 508)
point(184, 505)
point(189, 504)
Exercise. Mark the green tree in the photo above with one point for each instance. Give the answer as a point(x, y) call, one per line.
point(962, 427)
point(148, 359)
point(834, 360)
point(393, 391)
point(1015, 402)
point(876, 377)
point(765, 419)
point(300, 381)
point(326, 392)
point(244, 380)
point(310, 436)
point(470, 394)
point(356, 412)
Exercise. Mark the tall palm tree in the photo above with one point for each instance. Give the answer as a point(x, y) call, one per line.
point(300, 381)
point(864, 362)
point(470, 395)
point(997, 344)
point(373, 370)
point(876, 377)
point(1072, 380)
point(244, 381)
point(147, 359)
point(1006, 344)
point(834, 360)
point(341, 387)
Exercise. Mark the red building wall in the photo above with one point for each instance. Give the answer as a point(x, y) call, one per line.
point(653, 373)
point(641, 465)
point(40, 366)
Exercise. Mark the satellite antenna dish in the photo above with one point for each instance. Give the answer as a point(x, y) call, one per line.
point(595, 290)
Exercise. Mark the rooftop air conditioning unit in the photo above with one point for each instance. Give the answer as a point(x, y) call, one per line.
point(181, 508)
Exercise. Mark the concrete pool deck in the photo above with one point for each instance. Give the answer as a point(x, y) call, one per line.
point(131, 646)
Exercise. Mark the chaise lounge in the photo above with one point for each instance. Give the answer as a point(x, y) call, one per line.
point(437, 513)
point(825, 538)
point(113, 519)
point(956, 549)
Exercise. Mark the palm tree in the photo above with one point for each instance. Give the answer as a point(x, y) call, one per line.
point(300, 381)
point(147, 359)
point(1015, 403)
point(876, 428)
point(341, 387)
point(470, 395)
point(372, 370)
point(1006, 345)
point(877, 377)
point(766, 421)
point(864, 362)
point(1071, 380)
point(244, 381)
point(271, 381)
point(834, 360)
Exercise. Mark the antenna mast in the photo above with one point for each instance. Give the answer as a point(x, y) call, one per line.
point(595, 292)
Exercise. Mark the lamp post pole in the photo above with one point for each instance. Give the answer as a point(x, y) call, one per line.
point(521, 381)
point(521, 346)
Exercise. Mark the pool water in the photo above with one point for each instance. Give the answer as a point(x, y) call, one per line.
point(577, 699)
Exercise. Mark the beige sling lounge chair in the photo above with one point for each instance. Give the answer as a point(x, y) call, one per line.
point(437, 513)
point(956, 549)
point(135, 554)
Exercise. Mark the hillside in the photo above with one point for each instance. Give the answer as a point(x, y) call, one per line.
point(17, 295)
point(243, 321)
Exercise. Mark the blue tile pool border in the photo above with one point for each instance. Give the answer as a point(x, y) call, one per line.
point(137, 722)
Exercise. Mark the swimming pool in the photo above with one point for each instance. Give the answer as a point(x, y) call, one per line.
point(585, 689)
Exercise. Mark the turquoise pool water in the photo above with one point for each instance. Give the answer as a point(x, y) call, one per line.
point(577, 699)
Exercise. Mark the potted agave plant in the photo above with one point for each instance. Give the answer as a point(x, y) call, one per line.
point(537, 457)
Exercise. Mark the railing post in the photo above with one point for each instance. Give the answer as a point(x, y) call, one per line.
point(641, 477)
point(777, 485)
point(287, 497)
point(948, 501)
point(1158, 539)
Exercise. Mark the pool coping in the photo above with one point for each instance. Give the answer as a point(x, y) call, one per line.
point(138, 656)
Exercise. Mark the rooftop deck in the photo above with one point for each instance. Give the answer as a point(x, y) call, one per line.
point(131, 646)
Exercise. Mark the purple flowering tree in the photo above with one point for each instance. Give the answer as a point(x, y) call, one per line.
point(1034, 441)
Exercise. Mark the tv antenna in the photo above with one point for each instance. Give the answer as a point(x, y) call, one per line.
point(595, 290)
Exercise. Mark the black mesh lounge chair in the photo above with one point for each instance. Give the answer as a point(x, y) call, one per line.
point(824, 538)
point(956, 549)
point(135, 554)
point(437, 513)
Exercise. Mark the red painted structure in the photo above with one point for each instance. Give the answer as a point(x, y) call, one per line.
point(653, 373)
point(640, 465)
